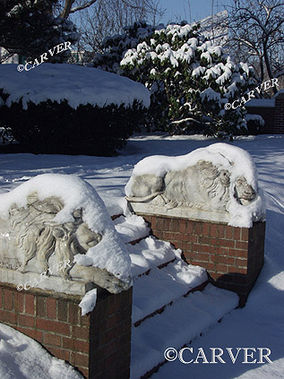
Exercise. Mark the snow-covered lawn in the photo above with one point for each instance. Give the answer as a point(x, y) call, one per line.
point(261, 322)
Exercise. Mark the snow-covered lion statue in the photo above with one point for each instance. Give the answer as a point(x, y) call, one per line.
point(57, 227)
point(39, 236)
point(202, 186)
point(217, 183)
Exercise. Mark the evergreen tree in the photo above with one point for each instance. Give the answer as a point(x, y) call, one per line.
point(29, 27)
point(116, 46)
point(190, 79)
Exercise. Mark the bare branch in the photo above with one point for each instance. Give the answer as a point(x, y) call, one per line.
point(256, 28)
point(83, 6)
point(67, 9)
point(184, 120)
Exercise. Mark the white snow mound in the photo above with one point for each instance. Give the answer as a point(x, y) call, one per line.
point(76, 84)
point(24, 358)
point(88, 302)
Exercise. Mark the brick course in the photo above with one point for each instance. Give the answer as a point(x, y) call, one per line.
point(97, 344)
point(232, 256)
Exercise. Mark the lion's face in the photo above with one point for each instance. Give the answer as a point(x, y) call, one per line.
point(244, 192)
point(224, 176)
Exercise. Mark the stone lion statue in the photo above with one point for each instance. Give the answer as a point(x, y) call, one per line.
point(38, 236)
point(202, 186)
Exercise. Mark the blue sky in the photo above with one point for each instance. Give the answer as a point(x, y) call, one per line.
point(177, 10)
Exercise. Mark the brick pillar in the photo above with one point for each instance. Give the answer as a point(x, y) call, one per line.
point(232, 256)
point(97, 344)
point(279, 113)
point(110, 336)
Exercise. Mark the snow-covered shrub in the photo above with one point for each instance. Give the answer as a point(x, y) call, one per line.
point(61, 108)
point(190, 79)
point(51, 127)
point(114, 47)
point(254, 123)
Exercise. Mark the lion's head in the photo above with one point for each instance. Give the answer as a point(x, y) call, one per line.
point(243, 192)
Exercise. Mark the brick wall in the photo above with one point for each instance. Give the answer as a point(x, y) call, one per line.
point(268, 115)
point(97, 344)
point(110, 336)
point(279, 113)
point(232, 256)
point(273, 116)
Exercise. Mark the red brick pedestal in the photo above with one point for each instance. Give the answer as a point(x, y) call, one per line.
point(279, 113)
point(97, 344)
point(232, 256)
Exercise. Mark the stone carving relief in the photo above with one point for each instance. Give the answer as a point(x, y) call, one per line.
point(38, 236)
point(30, 239)
point(202, 186)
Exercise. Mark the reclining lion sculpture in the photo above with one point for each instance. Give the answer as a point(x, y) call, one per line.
point(39, 236)
point(203, 186)
point(31, 237)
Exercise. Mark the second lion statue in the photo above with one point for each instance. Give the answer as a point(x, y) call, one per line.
point(203, 186)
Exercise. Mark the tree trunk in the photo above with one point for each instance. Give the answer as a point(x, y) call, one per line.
point(67, 7)
point(261, 68)
point(268, 67)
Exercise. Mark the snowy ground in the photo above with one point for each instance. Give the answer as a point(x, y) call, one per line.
point(261, 322)
point(22, 358)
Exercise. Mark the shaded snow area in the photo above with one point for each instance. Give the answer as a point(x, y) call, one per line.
point(162, 282)
point(165, 310)
point(238, 163)
point(77, 84)
point(178, 324)
point(167, 278)
point(160, 276)
point(22, 357)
